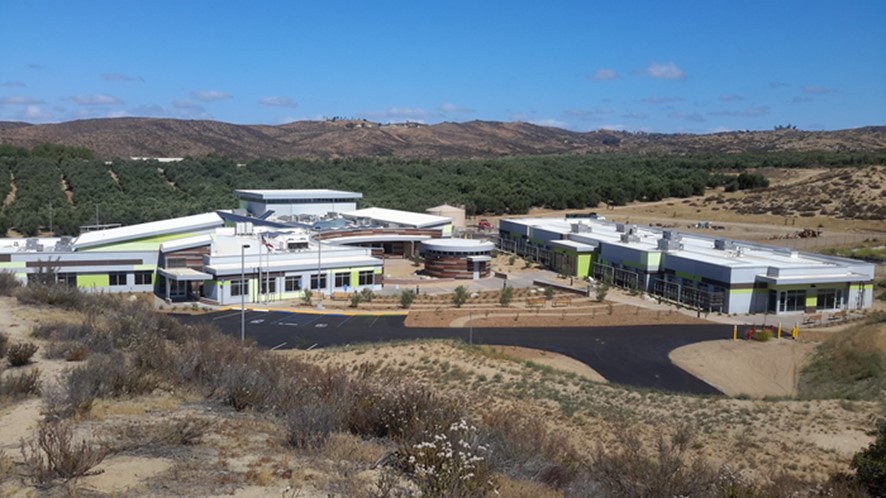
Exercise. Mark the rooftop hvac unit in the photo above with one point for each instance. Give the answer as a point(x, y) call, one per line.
point(31, 244)
point(724, 245)
point(243, 228)
point(671, 235)
point(669, 245)
point(619, 227)
point(629, 237)
point(581, 228)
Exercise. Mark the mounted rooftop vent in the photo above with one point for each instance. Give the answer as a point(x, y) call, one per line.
point(620, 227)
point(672, 235)
point(243, 228)
point(581, 228)
point(724, 245)
point(65, 244)
point(669, 245)
point(629, 237)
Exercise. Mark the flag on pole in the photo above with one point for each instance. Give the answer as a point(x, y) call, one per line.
point(267, 243)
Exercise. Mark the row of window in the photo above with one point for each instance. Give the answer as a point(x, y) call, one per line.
point(294, 283)
point(115, 279)
point(303, 201)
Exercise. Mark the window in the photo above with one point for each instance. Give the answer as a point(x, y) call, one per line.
point(176, 262)
point(366, 277)
point(318, 281)
point(829, 299)
point(144, 277)
point(117, 278)
point(793, 300)
point(292, 284)
point(268, 286)
point(342, 279)
point(239, 287)
point(66, 278)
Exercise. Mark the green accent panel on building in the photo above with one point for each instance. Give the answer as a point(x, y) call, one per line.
point(378, 271)
point(145, 244)
point(355, 278)
point(652, 259)
point(95, 280)
point(447, 230)
point(743, 291)
point(811, 301)
point(584, 263)
point(688, 276)
point(13, 264)
point(145, 267)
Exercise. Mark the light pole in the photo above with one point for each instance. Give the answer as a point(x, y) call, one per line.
point(319, 273)
point(242, 293)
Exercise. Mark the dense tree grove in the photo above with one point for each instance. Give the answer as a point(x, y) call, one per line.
point(74, 184)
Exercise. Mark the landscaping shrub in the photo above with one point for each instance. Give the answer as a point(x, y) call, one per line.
point(407, 296)
point(355, 300)
point(4, 344)
point(20, 354)
point(367, 295)
point(19, 384)
point(507, 295)
point(53, 454)
point(602, 290)
point(761, 335)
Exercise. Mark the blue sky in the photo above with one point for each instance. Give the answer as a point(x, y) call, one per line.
point(662, 66)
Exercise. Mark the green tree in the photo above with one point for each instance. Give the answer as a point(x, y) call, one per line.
point(459, 296)
point(306, 296)
point(549, 293)
point(602, 290)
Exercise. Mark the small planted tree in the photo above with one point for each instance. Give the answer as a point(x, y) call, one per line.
point(306, 297)
point(406, 298)
point(507, 294)
point(355, 299)
point(549, 293)
point(367, 295)
point(459, 296)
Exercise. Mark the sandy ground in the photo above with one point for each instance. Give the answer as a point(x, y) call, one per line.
point(750, 368)
point(554, 360)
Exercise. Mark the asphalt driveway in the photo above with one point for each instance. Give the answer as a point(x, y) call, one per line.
point(635, 355)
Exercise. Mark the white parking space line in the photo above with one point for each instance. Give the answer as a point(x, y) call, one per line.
point(343, 321)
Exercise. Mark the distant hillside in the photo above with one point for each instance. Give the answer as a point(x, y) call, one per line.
point(124, 137)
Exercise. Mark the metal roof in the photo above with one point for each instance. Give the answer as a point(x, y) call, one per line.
point(408, 218)
point(296, 194)
point(129, 233)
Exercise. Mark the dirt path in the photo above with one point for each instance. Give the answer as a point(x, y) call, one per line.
point(756, 369)
point(10, 197)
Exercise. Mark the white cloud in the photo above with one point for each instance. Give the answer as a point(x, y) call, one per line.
point(730, 97)
point(278, 102)
point(19, 100)
point(13, 84)
point(121, 77)
point(447, 107)
point(816, 90)
point(688, 116)
point(549, 122)
point(750, 112)
point(603, 74)
point(587, 114)
point(96, 99)
point(210, 95)
point(34, 113)
point(668, 71)
point(149, 111)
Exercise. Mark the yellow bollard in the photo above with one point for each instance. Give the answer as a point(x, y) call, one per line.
point(735, 332)
point(779, 330)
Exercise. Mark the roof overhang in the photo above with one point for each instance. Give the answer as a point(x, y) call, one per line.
point(184, 274)
point(813, 279)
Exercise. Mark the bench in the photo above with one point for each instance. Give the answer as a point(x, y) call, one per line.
point(839, 315)
point(536, 302)
point(561, 301)
point(811, 319)
point(341, 296)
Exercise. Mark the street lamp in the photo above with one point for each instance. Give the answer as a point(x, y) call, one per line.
point(319, 273)
point(243, 294)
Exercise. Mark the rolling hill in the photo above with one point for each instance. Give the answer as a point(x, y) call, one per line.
point(124, 137)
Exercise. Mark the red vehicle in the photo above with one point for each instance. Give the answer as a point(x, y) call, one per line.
point(484, 225)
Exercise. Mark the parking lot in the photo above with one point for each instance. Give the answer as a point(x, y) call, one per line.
point(636, 355)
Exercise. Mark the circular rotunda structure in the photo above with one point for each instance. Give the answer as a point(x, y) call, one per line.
point(457, 258)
